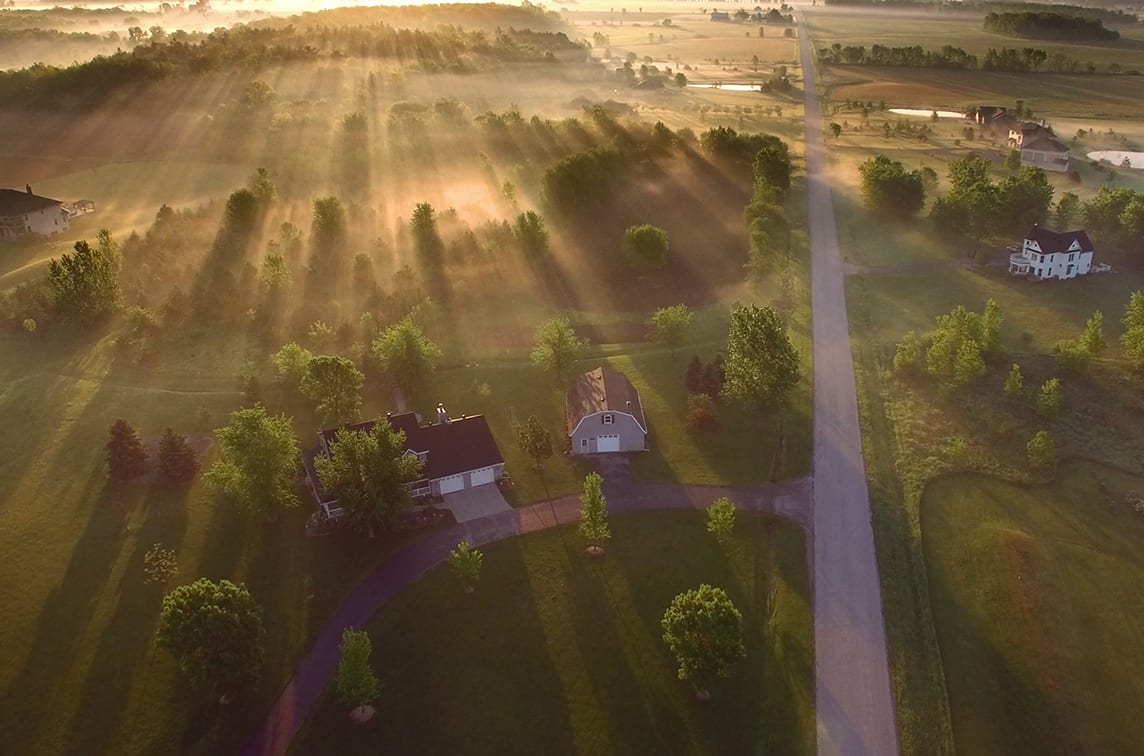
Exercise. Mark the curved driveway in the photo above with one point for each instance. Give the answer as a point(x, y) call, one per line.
point(302, 694)
point(852, 678)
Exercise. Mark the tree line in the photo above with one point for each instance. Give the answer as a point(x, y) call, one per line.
point(1049, 25)
point(249, 47)
point(1024, 60)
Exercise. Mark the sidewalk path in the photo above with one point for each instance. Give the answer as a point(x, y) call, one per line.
point(625, 493)
point(852, 679)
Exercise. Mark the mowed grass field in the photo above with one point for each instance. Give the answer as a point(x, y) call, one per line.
point(1036, 596)
point(907, 425)
point(558, 653)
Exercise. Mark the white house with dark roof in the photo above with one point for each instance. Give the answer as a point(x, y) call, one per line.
point(1048, 254)
point(455, 453)
point(24, 213)
point(605, 414)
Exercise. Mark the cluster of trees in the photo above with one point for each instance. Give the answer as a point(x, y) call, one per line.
point(976, 206)
point(956, 350)
point(912, 56)
point(1132, 341)
point(1074, 354)
point(127, 455)
point(250, 47)
point(889, 189)
point(1049, 25)
point(1116, 216)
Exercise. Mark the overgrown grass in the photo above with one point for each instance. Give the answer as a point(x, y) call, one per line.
point(558, 653)
point(1036, 597)
point(906, 424)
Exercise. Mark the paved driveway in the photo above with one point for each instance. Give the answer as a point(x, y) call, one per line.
point(475, 503)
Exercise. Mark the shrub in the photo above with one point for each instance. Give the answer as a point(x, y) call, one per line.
point(701, 413)
point(1040, 449)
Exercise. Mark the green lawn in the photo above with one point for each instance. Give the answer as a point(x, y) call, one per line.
point(1036, 596)
point(558, 653)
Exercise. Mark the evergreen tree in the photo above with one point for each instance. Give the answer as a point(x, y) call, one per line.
point(1051, 399)
point(1015, 383)
point(178, 462)
point(594, 514)
point(1092, 340)
point(1041, 449)
point(126, 457)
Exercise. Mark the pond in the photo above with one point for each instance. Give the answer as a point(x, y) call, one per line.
point(927, 113)
point(1117, 157)
point(729, 87)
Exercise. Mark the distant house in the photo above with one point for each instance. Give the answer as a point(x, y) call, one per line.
point(24, 213)
point(1024, 132)
point(994, 118)
point(605, 414)
point(1045, 151)
point(456, 454)
point(1048, 254)
point(721, 16)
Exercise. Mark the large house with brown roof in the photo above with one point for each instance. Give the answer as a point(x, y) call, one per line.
point(605, 414)
point(24, 213)
point(456, 453)
point(1048, 254)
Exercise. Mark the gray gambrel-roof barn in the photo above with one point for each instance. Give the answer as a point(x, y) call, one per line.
point(605, 414)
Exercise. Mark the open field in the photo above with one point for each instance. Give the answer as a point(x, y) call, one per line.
point(907, 426)
point(560, 654)
point(1036, 597)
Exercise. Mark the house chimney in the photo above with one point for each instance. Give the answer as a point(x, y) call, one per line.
point(442, 415)
point(28, 187)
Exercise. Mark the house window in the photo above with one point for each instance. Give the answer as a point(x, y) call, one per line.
point(1072, 256)
point(609, 419)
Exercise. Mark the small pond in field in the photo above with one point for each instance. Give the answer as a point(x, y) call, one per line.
point(1117, 157)
point(927, 113)
point(729, 87)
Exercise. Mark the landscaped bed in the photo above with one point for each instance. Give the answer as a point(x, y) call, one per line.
point(559, 653)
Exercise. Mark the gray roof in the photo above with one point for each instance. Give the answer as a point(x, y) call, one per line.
point(13, 202)
point(1045, 143)
point(603, 390)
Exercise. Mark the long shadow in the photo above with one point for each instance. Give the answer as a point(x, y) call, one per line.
point(123, 648)
point(68, 609)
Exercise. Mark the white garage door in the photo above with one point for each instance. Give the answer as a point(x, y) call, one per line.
point(486, 475)
point(452, 483)
point(608, 443)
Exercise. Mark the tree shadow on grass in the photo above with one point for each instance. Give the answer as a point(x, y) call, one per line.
point(66, 612)
point(126, 644)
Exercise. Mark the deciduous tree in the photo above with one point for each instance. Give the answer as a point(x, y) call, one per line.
point(762, 365)
point(721, 518)
point(704, 631)
point(534, 440)
point(367, 473)
point(557, 347)
point(335, 384)
point(465, 562)
point(406, 354)
point(356, 683)
point(646, 247)
point(890, 190)
point(85, 284)
point(669, 325)
point(258, 456)
point(594, 514)
point(291, 363)
point(215, 632)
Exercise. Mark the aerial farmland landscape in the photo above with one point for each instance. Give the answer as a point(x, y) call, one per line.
point(572, 378)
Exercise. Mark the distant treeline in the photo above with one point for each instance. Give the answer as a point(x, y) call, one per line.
point(1109, 14)
point(445, 49)
point(1027, 59)
point(913, 57)
point(1045, 25)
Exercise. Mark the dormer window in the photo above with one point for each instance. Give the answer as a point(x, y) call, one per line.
point(609, 419)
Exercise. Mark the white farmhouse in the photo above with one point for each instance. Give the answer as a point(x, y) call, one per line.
point(24, 213)
point(1047, 254)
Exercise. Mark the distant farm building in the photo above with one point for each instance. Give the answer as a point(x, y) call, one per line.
point(721, 16)
point(24, 213)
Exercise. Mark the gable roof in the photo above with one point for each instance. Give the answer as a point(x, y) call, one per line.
point(455, 447)
point(13, 202)
point(1052, 242)
point(1044, 143)
point(603, 390)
